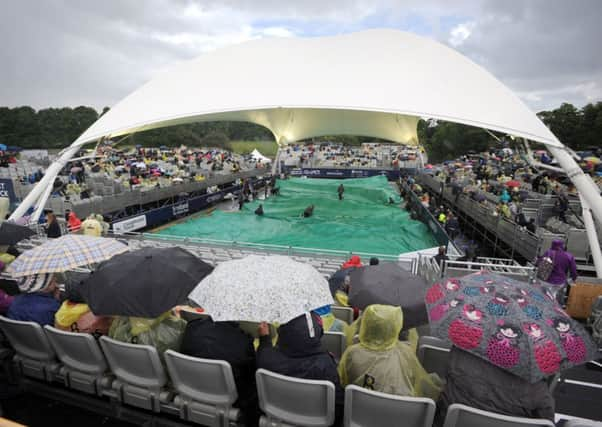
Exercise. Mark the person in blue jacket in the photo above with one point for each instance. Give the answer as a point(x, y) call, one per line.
point(38, 302)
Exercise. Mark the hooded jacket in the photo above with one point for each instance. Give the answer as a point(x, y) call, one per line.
point(563, 262)
point(34, 307)
point(354, 261)
point(475, 382)
point(299, 355)
point(74, 222)
point(381, 362)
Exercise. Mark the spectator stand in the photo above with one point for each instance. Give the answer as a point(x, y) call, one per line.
point(505, 236)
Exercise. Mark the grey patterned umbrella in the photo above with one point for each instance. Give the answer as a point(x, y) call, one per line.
point(257, 288)
point(514, 325)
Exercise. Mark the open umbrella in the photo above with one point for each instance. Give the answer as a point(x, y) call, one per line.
point(65, 253)
point(143, 283)
point(257, 288)
point(513, 183)
point(337, 280)
point(388, 283)
point(11, 233)
point(514, 325)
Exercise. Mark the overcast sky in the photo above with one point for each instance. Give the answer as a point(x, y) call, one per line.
point(69, 53)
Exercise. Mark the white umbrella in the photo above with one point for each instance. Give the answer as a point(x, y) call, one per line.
point(257, 288)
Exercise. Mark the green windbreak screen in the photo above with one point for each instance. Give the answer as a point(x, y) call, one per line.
point(363, 221)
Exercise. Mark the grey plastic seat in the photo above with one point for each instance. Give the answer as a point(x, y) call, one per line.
point(464, 416)
point(85, 367)
point(582, 423)
point(367, 408)
point(335, 343)
point(34, 356)
point(288, 401)
point(342, 313)
point(433, 354)
point(206, 389)
point(141, 379)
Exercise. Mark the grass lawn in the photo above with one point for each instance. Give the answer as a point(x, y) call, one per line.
point(267, 148)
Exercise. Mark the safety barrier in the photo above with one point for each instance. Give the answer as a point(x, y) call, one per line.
point(138, 196)
point(520, 240)
point(503, 266)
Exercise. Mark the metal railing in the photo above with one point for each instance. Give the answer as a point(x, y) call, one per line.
point(255, 247)
point(505, 267)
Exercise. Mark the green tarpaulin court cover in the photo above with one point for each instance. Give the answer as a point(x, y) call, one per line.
point(363, 221)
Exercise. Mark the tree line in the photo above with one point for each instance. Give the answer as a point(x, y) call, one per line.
point(579, 128)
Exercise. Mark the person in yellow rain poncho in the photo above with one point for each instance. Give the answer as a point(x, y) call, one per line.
point(91, 226)
point(164, 332)
point(381, 362)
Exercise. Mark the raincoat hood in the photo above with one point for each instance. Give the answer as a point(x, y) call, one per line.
point(557, 245)
point(380, 327)
point(354, 261)
point(294, 338)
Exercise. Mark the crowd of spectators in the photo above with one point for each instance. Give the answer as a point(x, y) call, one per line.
point(145, 168)
point(367, 155)
point(380, 356)
point(502, 180)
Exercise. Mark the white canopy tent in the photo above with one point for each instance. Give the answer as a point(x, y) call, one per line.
point(374, 83)
point(260, 157)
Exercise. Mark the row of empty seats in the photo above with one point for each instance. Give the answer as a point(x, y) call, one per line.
point(203, 391)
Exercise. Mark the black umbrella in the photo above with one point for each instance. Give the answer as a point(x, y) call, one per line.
point(143, 283)
point(337, 280)
point(11, 233)
point(388, 283)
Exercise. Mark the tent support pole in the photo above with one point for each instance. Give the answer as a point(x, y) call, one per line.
point(39, 191)
point(592, 236)
point(584, 184)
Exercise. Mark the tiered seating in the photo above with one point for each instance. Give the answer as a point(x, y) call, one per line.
point(203, 391)
point(206, 389)
point(343, 313)
point(84, 366)
point(288, 401)
point(141, 380)
point(433, 354)
point(35, 356)
point(335, 343)
point(366, 408)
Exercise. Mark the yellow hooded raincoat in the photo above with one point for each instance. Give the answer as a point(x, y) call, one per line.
point(381, 362)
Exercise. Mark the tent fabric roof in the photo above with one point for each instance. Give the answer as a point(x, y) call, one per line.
point(373, 83)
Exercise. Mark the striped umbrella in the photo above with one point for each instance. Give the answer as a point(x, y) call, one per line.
point(65, 253)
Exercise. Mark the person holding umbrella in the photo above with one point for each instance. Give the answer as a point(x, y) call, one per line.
point(508, 337)
point(38, 301)
point(299, 353)
point(140, 288)
point(381, 362)
point(477, 383)
point(207, 339)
